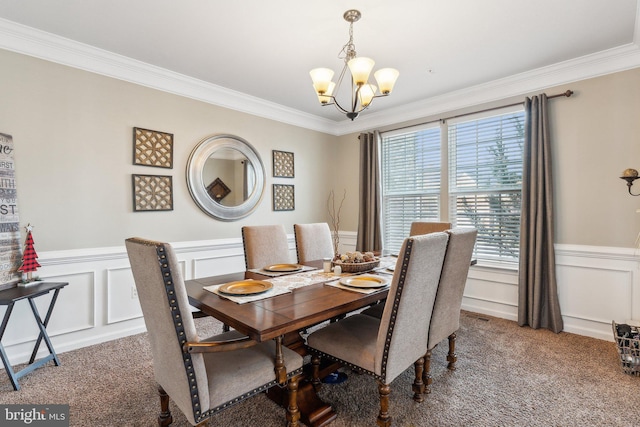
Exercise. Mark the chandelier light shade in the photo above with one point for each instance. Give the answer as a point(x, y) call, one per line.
point(362, 92)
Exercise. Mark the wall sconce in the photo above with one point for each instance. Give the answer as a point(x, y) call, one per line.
point(630, 175)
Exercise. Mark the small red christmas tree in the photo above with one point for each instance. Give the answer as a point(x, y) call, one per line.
point(29, 257)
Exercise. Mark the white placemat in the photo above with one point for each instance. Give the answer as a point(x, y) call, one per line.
point(337, 284)
point(248, 298)
point(281, 285)
point(280, 273)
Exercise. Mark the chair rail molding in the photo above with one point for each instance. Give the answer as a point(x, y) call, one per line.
point(595, 284)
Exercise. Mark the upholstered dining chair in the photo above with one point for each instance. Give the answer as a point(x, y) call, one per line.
point(445, 320)
point(386, 347)
point(265, 245)
point(201, 376)
point(313, 241)
point(426, 227)
point(417, 228)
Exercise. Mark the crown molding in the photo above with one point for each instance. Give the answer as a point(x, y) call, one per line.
point(32, 42)
point(589, 66)
point(50, 47)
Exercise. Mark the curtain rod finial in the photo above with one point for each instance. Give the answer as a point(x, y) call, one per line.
point(568, 93)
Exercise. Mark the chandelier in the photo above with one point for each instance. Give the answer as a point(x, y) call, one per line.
point(362, 92)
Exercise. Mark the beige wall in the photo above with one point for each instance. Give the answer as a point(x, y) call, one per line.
point(72, 132)
point(595, 135)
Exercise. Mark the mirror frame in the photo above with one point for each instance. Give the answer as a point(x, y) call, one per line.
point(197, 187)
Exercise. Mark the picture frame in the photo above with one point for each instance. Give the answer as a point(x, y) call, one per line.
point(152, 193)
point(283, 197)
point(152, 148)
point(283, 164)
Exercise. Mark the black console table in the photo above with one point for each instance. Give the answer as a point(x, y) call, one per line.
point(9, 297)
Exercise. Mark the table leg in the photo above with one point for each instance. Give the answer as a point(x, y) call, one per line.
point(313, 411)
point(5, 360)
point(43, 329)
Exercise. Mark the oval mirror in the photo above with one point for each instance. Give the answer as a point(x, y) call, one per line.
point(225, 177)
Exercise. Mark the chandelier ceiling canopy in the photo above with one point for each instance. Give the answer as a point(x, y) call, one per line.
point(362, 92)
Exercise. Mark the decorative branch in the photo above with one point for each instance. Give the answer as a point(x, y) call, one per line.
point(335, 218)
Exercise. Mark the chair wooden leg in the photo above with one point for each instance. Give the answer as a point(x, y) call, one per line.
point(451, 357)
point(293, 413)
point(418, 384)
point(426, 374)
point(384, 420)
point(315, 372)
point(165, 418)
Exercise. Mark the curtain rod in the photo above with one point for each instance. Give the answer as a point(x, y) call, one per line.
point(567, 94)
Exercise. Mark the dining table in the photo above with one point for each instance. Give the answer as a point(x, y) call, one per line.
point(313, 296)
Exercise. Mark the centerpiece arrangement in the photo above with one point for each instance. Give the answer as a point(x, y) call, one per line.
point(356, 262)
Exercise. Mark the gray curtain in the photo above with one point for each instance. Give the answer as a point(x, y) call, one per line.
point(538, 305)
point(370, 201)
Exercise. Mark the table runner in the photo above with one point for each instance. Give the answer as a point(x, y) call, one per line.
point(286, 283)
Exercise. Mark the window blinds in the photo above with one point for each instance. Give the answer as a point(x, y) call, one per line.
point(485, 182)
point(411, 177)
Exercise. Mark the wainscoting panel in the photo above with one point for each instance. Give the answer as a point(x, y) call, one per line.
point(69, 317)
point(594, 294)
point(122, 296)
point(492, 291)
point(218, 264)
point(596, 285)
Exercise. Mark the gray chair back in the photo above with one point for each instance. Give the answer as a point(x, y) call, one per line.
point(446, 311)
point(404, 326)
point(165, 306)
point(313, 241)
point(265, 245)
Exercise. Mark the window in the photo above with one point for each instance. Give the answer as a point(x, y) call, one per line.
point(480, 186)
point(411, 176)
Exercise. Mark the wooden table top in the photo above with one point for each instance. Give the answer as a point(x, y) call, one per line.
point(271, 317)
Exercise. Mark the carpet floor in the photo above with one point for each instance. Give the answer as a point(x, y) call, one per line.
point(506, 376)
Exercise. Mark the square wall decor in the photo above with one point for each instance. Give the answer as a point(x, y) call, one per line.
point(152, 193)
point(283, 197)
point(218, 190)
point(283, 164)
point(152, 148)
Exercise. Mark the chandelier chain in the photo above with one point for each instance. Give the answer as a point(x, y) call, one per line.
point(349, 49)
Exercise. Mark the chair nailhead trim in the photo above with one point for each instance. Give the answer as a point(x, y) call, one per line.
point(253, 392)
point(344, 362)
point(180, 332)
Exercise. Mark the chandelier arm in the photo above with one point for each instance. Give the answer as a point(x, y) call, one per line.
point(338, 106)
point(354, 98)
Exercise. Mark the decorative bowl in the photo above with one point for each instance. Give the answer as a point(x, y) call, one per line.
point(356, 267)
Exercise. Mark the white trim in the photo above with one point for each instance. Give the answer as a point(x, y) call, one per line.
point(29, 41)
